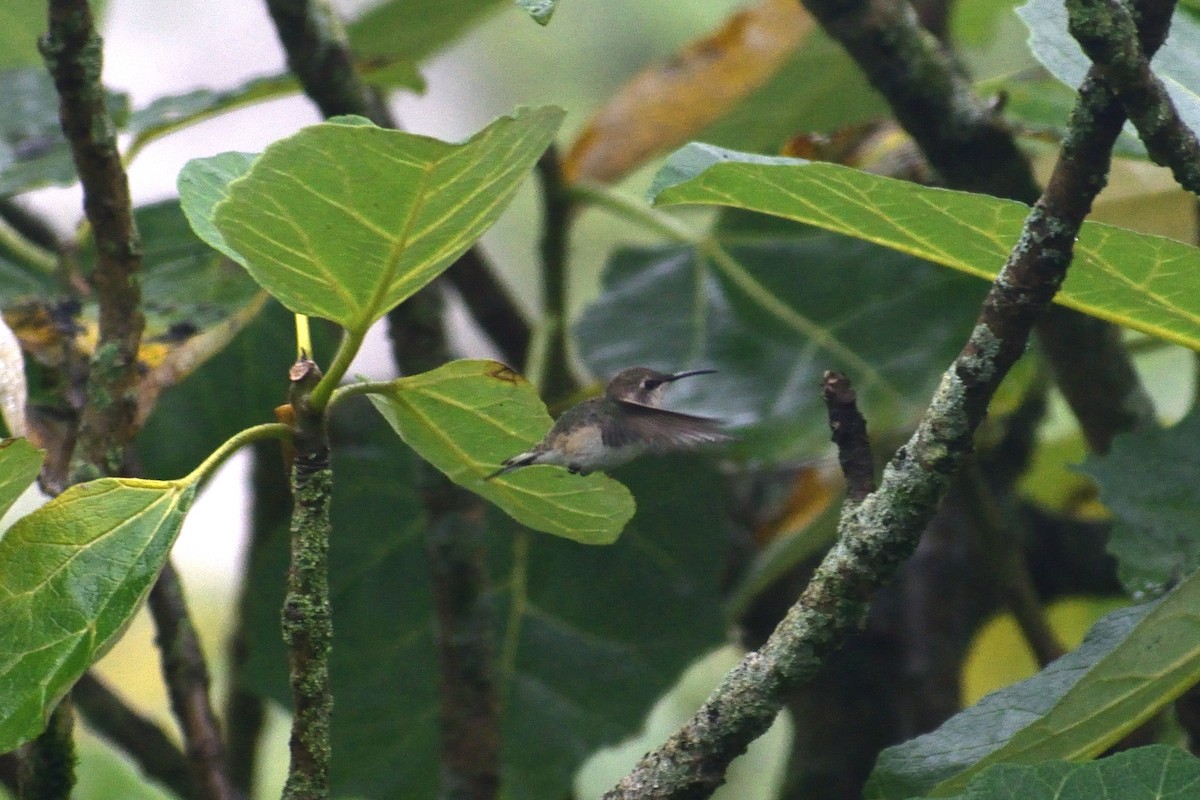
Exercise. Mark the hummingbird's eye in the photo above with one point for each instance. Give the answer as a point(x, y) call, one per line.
point(649, 384)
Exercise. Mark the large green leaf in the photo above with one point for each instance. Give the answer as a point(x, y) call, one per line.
point(1157, 772)
point(204, 182)
point(33, 152)
point(1177, 62)
point(580, 645)
point(1132, 663)
point(344, 221)
point(1145, 282)
point(1149, 481)
point(786, 308)
point(20, 463)
point(468, 416)
point(72, 574)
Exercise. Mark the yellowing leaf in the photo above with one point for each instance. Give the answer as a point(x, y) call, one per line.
point(666, 104)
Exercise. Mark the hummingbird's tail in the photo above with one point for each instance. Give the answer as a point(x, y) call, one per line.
point(516, 462)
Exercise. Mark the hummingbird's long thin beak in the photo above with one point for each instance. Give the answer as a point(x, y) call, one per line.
point(690, 373)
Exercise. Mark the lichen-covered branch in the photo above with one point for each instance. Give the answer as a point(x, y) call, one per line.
point(470, 738)
point(73, 52)
point(186, 676)
point(307, 615)
point(877, 535)
point(1107, 32)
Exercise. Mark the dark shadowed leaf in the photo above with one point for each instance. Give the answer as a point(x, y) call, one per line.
point(595, 635)
point(1131, 664)
point(33, 152)
point(789, 308)
point(1149, 481)
point(579, 643)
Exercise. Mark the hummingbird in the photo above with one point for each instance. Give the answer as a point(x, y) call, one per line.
point(618, 426)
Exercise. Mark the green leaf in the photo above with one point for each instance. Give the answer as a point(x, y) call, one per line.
point(72, 574)
point(1157, 772)
point(346, 221)
point(787, 308)
point(412, 30)
point(33, 152)
point(468, 416)
point(20, 463)
point(1131, 664)
point(1144, 282)
point(172, 112)
point(1149, 482)
point(203, 183)
point(540, 10)
point(23, 24)
point(1175, 63)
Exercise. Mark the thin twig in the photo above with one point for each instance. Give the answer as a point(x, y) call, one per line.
point(186, 677)
point(558, 207)
point(145, 742)
point(1107, 32)
point(877, 535)
point(850, 435)
point(73, 53)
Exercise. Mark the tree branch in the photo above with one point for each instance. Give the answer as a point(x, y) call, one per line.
point(850, 435)
point(73, 53)
point(142, 739)
point(972, 148)
point(1107, 32)
point(877, 535)
point(186, 677)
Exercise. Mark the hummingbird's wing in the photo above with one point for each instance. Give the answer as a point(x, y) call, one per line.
point(660, 430)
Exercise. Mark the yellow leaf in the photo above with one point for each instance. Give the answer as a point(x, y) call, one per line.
point(666, 104)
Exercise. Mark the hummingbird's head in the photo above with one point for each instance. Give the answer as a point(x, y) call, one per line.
point(645, 386)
